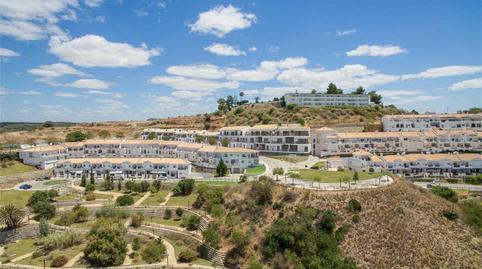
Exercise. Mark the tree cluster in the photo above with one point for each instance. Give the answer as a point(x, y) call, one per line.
point(183, 187)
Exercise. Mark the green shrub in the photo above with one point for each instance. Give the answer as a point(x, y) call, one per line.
point(38, 196)
point(191, 222)
point(183, 187)
point(136, 244)
point(341, 232)
point(154, 252)
point(52, 194)
point(472, 213)
point(44, 209)
point(187, 255)
point(81, 213)
point(111, 213)
point(167, 213)
point(354, 205)
point(124, 200)
point(355, 218)
point(327, 221)
point(107, 245)
point(90, 196)
point(59, 261)
point(445, 193)
point(137, 219)
point(211, 236)
point(66, 219)
point(450, 215)
point(37, 254)
point(179, 212)
point(89, 187)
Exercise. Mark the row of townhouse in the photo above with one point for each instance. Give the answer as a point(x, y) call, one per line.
point(188, 136)
point(273, 138)
point(396, 123)
point(147, 168)
point(327, 141)
point(417, 165)
point(237, 159)
point(320, 99)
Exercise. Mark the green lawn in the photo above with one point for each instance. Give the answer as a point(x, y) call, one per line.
point(173, 221)
point(187, 200)
point(333, 176)
point(254, 171)
point(13, 250)
point(15, 167)
point(179, 246)
point(104, 196)
point(68, 252)
point(54, 182)
point(319, 165)
point(15, 197)
point(292, 158)
point(216, 183)
point(155, 198)
point(88, 224)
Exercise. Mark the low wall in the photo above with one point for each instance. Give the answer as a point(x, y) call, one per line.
point(7, 236)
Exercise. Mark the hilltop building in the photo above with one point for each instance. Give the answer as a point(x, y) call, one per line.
point(321, 99)
point(189, 136)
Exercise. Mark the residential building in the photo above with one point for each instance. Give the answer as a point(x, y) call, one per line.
point(188, 136)
point(141, 168)
point(320, 99)
point(396, 123)
point(236, 159)
point(43, 157)
point(270, 138)
point(327, 141)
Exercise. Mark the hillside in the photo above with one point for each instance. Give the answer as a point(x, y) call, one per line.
point(346, 118)
point(400, 226)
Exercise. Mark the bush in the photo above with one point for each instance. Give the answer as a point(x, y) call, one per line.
point(450, 215)
point(112, 213)
point(107, 245)
point(356, 218)
point(66, 219)
point(125, 200)
point(191, 222)
point(136, 244)
point(243, 178)
point(187, 255)
point(211, 237)
point(90, 196)
point(154, 251)
point(81, 213)
point(52, 194)
point(445, 193)
point(179, 212)
point(371, 170)
point(341, 232)
point(59, 261)
point(38, 196)
point(144, 186)
point(89, 187)
point(137, 219)
point(44, 209)
point(44, 228)
point(37, 254)
point(183, 187)
point(167, 213)
point(354, 205)
point(54, 241)
point(327, 221)
point(472, 213)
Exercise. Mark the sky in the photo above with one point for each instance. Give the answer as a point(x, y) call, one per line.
point(95, 60)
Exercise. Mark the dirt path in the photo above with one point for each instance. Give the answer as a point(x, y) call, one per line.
point(171, 254)
point(72, 261)
point(168, 196)
point(19, 258)
point(138, 202)
point(127, 259)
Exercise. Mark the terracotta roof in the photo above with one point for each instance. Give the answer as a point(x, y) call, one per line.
point(44, 148)
point(124, 160)
point(234, 128)
point(433, 116)
point(215, 149)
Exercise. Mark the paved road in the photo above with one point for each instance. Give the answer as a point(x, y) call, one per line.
point(362, 184)
point(455, 186)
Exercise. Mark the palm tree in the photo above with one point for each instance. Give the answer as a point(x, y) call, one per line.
point(11, 216)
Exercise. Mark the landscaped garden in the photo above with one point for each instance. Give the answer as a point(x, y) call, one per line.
point(333, 176)
point(14, 167)
point(255, 171)
point(155, 198)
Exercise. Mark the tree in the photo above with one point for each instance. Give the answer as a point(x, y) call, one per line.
point(124, 200)
point(222, 106)
point(191, 222)
point(89, 187)
point(104, 134)
point(92, 179)
point(241, 95)
point(75, 136)
point(11, 216)
point(137, 219)
point(119, 185)
point(225, 142)
point(359, 90)
point(107, 184)
point(183, 187)
point(256, 99)
point(38, 196)
point(313, 91)
point(230, 101)
point(44, 228)
point(187, 255)
point(81, 213)
point(44, 209)
point(151, 136)
point(52, 194)
point(83, 181)
point(119, 134)
point(332, 89)
point(211, 236)
point(154, 251)
point(179, 212)
point(167, 213)
point(136, 244)
point(221, 168)
point(356, 177)
point(375, 98)
point(107, 245)
point(48, 124)
point(278, 171)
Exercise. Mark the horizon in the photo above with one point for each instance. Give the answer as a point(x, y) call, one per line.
point(100, 61)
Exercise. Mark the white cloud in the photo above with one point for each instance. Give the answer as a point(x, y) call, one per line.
point(204, 71)
point(397, 93)
point(8, 53)
point(22, 30)
point(166, 101)
point(30, 93)
point(475, 83)
point(111, 106)
point(93, 3)
point(224, 50)
point(190, 84)
point(141, 12)
point(272, 91)
point(48, 73)
point(415, 99)
point(252, 49)
point(96, 51)
point(68, 95)
point(267, 70)
point(191, 94)
point(273, 49)
point(92, 84)
point(222, 20)
point(446, 71)
point(376, 51)
point(347, 77)
point(55, 110)
point(346, 32)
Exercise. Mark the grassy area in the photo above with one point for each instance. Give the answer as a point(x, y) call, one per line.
point(254, 171)
point(13, 250)
point(319, 165)
point(292, 158)
point(14, 167)
point(68, 252)
point(333, 176)
point(169, 222)
point(68, 197)
point(86, 225)
point(104, 196)
point(54, 182)
point(155, 198)
point(182, 200)
point(15, 197)
point(179, 246)
point(216, 183)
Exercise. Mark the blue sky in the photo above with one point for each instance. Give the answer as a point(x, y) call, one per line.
point(99, 60)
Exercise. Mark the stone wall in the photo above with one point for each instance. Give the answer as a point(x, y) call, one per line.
point(7, 236)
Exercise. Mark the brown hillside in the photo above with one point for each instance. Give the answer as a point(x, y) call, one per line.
point(400, 227)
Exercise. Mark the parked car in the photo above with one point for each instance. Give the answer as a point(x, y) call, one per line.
point(25, 186)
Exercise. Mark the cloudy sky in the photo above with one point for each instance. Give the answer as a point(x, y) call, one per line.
point(89, 60)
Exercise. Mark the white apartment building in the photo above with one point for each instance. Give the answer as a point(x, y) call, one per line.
point(320, 99)
point(396, 123)
point(188, 136)
point(145, 168)
point(272, 138)
point(46, 157)
point(327, 141)
point(43, 157)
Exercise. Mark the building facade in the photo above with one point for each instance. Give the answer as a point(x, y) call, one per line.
point(145, 168)
point(43, 157)
point(320, 99)
point(188, 136)
point(396, 123)
point(327, 141)
point(270, 138)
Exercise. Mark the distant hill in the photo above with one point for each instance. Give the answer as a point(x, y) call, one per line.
point(29, 126)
